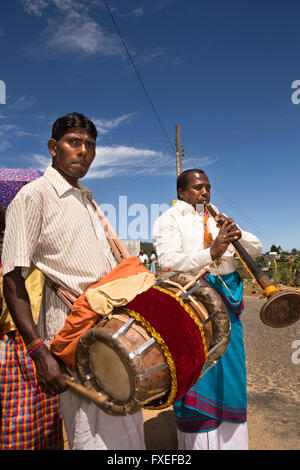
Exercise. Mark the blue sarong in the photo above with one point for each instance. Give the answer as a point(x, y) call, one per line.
point(221, 394)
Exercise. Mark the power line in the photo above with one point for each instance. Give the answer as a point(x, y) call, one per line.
point(138, 75)
point(131, 179)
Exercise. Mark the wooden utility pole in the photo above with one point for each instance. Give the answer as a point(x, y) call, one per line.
point(178, 151)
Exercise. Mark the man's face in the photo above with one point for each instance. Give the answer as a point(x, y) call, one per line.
point(73, 153)
point(197, 190)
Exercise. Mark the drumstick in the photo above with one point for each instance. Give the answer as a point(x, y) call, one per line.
point(88, 393)
point(200, 273)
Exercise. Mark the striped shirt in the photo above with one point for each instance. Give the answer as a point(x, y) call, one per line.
point(55, 226)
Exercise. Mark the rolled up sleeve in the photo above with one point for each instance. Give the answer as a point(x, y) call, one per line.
point(22, 231)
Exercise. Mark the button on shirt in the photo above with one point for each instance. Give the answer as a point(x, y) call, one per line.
point(55, 226)
point(178, 237)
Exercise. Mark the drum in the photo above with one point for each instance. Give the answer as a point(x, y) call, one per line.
point(151, 352)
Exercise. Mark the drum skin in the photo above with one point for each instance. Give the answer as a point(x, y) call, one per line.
point(140, 391)
point(125, 381)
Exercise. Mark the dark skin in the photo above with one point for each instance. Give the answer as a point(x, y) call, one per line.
point(2, 219)
point(72, 156)
point(2, 227)
point(198, 192)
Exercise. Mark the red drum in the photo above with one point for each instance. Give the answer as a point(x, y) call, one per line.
point(151, 352)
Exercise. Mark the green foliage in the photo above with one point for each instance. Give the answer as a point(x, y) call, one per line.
point(147, 247)
point(285, 270)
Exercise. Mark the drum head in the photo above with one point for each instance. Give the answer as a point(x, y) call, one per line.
point(109, 369)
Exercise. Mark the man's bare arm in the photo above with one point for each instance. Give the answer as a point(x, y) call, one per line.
point(49, 374)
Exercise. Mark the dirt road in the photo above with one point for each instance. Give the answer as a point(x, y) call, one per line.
point(273, 389)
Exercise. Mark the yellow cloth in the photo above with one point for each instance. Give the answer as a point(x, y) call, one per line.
point(34, 285)
point(103, 299)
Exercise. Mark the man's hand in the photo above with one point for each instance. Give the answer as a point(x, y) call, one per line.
point(229, 232)
point(50, 375)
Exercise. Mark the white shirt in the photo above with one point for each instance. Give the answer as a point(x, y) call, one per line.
point(178, 237)
point(143, 258)
point(55, 226)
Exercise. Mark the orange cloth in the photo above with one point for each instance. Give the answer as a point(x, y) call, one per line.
point(207, 236)
point(82, 318)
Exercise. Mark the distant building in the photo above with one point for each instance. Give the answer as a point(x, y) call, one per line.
point(271, 255)
point(133, 246)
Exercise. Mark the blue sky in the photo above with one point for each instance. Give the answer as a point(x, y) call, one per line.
point(223, 70)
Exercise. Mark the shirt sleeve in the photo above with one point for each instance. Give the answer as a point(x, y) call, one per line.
point(167, 241)
point(22, 230)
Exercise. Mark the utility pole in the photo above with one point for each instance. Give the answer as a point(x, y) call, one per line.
point(178, 151)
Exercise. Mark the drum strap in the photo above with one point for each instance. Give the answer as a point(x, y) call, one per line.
point(117, 247)
point(63, 294)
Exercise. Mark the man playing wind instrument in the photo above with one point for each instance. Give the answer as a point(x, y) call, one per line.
point(213, 414)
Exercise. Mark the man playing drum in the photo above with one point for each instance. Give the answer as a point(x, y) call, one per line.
point(213, 414)
point(53, 223)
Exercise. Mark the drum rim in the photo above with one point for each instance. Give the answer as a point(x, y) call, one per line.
point(138, 389)
point(90, 337)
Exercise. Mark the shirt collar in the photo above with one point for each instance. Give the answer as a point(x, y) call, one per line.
point(61, 185)
point(185, 208)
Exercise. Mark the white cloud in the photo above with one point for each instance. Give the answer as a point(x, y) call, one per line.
point(7, 128)
point(80, 33)
point(40, 161)
point(70, 30)
point(116, 161)
point(147, 57)
point(123, 161)
point(21, 133)
point(139, 11)
point(106, 125)
point(23, 102)
point(4, 144)
point(160, 5)
point(8, 134)
point(35, 7)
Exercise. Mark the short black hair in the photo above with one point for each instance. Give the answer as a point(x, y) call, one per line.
point(183, 178)
point(62, 124)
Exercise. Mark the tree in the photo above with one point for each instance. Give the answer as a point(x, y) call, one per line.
point(278, 249)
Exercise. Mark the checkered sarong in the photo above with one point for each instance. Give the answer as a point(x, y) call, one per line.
point(30, 419)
